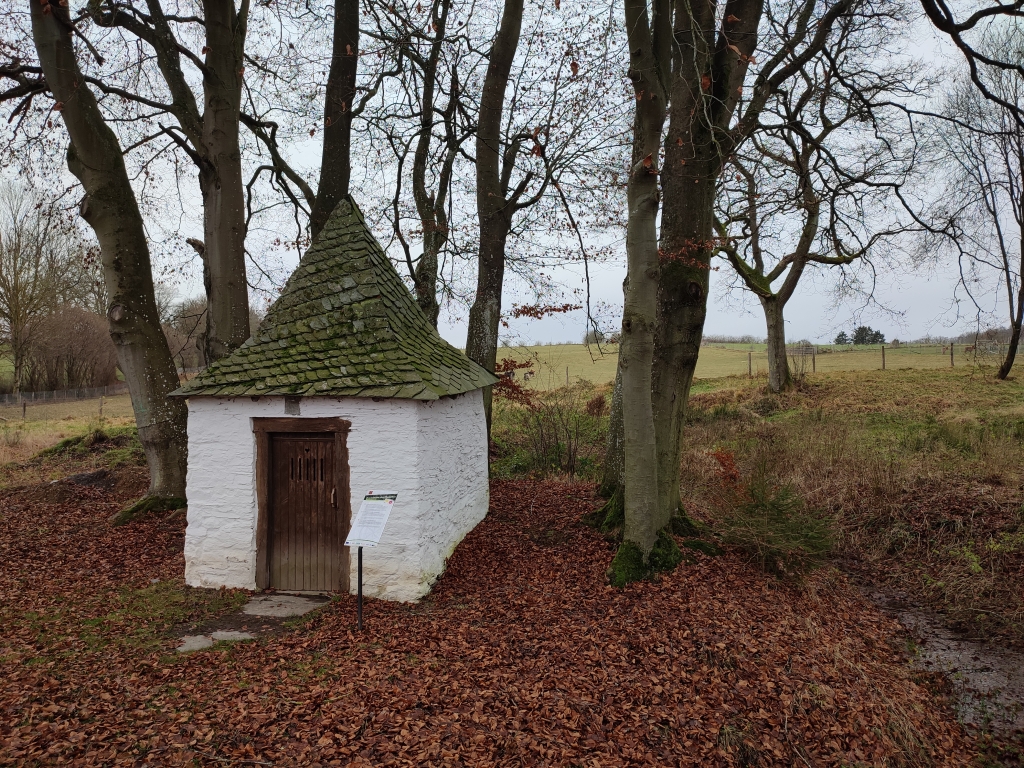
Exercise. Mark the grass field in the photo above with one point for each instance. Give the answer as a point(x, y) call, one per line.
point(47, 423)
point(558, 365)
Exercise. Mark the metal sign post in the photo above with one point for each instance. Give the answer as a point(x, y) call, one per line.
point(359, 592)
point(367, 529)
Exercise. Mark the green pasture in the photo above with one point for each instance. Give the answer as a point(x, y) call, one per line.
point(556, 365)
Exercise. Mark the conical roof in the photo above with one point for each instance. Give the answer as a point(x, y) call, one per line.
point(345, 325)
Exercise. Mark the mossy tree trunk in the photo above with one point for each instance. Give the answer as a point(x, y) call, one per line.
point(110, 208)
point(645, 547)
point(704, 91)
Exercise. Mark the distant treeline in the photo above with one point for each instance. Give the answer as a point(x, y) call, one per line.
point(991, 335)
point(713, 339)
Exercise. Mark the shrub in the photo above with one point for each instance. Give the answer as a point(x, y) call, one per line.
point(73, 349)
point(597, 406)
point(770, 522)
point(558, 432)
point(12, 437)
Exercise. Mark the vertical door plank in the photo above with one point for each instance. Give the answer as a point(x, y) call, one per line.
point(305, 531)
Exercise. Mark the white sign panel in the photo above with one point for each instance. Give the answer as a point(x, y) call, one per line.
point(369, 522)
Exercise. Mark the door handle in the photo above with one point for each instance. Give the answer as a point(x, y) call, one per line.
point(334, 497)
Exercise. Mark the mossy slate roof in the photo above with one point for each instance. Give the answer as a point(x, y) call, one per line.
point(345, 325)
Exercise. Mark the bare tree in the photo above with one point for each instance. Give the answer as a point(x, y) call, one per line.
point(496, 200)
point(540, 137)
point(72, 350)
point(813, 185)
point(969, 28)
point(208, 135)
point(425, 119)
point(41, 266)
point(982, 211)
point(110, 207)
point(558, 119)
point(169, 82)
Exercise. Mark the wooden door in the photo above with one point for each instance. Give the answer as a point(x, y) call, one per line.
point(307, 514)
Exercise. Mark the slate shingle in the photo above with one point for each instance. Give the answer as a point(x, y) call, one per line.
point(344, 325)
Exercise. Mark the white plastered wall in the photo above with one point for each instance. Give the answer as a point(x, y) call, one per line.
point(433, 454)
point(452, 446)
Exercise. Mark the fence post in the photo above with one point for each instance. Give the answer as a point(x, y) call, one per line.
point(883, 357)
point(101, 406)
point(567, 375)
point(750, 365)
point(951, 363)
point(814, 359)
point(24, 408)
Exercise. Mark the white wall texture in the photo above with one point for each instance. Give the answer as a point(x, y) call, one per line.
point(433, 454)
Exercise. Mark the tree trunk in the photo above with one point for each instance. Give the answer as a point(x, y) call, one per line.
point(110, 208)
point(682, 308)
point(220, 180)
point(336, 161)
point(779, 377)
point(18, 353)
point(485, 314)
point(645, 547)
point(636, 353)
point(1015, 326)
point(426, 279)
point(430, 207)
point(494, 211)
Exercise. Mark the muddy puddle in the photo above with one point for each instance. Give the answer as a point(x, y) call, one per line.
point(987, 680)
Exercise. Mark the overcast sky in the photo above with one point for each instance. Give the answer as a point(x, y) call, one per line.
point(907, 303)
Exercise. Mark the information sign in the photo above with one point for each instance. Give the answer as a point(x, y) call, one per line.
point(368, 524)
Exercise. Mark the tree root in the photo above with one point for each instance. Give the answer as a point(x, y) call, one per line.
point(148, 505)
point(609, 518)
point(631, 564)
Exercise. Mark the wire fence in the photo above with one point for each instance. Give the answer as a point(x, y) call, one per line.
point(814, 358)
point(556, 365)
point(63, 395)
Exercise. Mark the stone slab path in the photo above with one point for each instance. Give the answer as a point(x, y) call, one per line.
point(282, 606)
point(262, 613)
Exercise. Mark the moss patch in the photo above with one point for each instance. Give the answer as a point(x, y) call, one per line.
point(631, 565)
point(148, 505)
point(682, 524)
point(611, 517)
point(141, 618)
point(116, 446)
point(705, 547)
